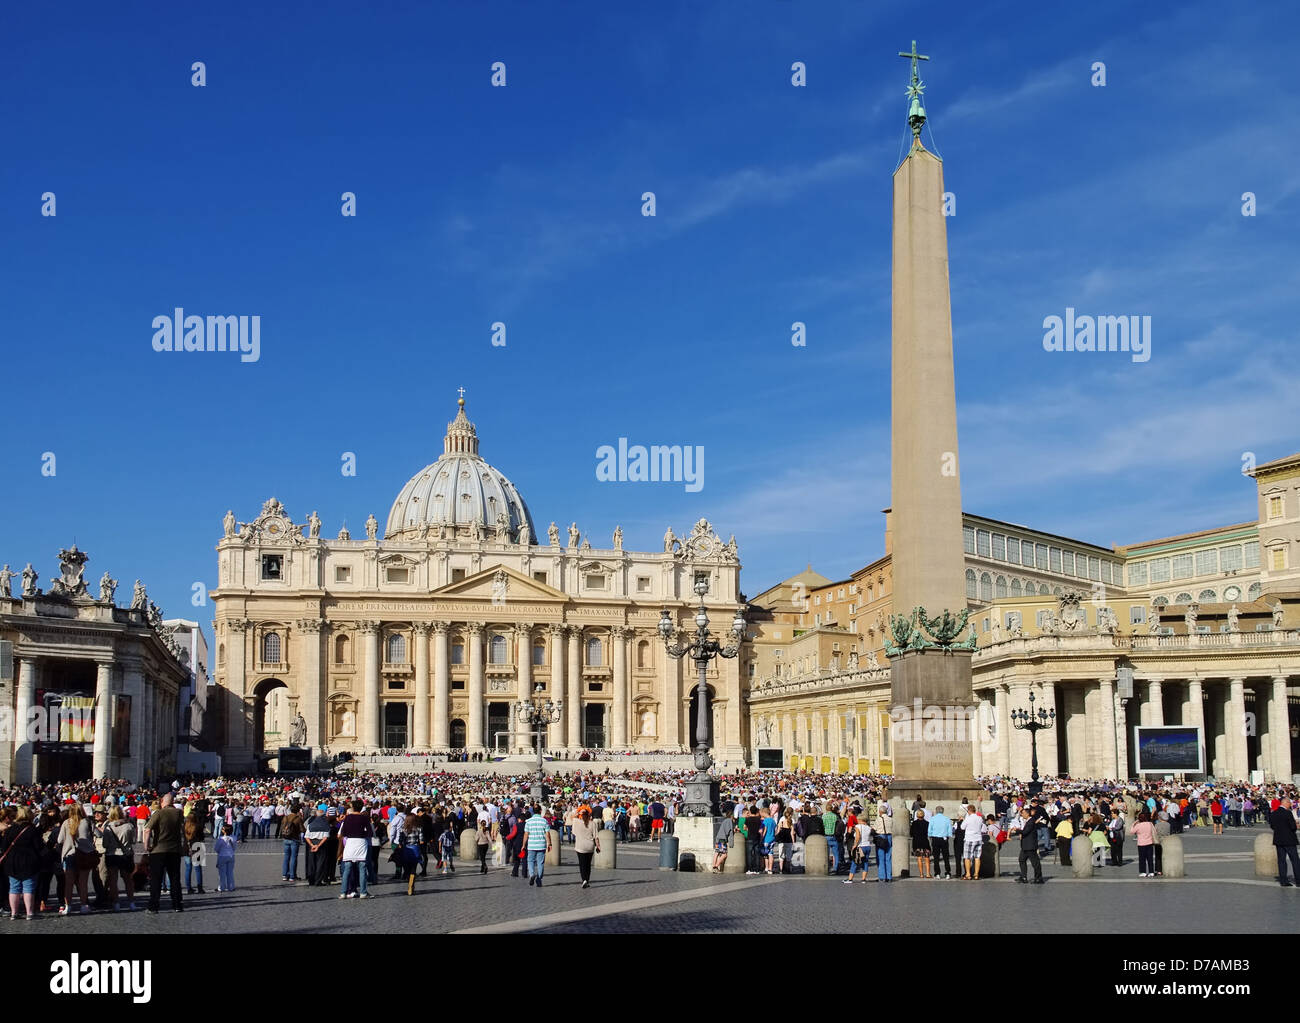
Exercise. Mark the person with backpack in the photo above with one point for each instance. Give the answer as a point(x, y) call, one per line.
point(292, 828)
point(833, 829)
point(722, 836)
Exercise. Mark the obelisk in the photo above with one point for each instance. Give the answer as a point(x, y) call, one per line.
point(930, 655)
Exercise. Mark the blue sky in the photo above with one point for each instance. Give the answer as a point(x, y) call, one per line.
point(523, 205)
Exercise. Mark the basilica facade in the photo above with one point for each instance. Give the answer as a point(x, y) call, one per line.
point(425, 638)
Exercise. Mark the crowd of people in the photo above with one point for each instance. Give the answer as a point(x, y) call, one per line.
point(75, 848)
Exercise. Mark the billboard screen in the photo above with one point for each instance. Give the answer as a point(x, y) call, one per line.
point(771, 759)
point(1168, 749)
point(294, 760)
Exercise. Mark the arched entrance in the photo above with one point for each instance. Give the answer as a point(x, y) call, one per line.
point(695, 715)
point(279, 732)
point(498, 721)
point(457, 733)
point(593, 726)
point(395, 725)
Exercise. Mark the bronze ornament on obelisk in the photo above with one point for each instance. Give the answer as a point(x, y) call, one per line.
point(930, 654)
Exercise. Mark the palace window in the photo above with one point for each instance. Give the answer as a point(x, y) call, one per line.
point(1054, 560)
point(1254, 592)
point(1275, 506)
point(1056, 591)
point(342, 573)
point(1000, 586)
point(982, 543)
point(1137, 574)
point(272, 565)
point(1250, 552)
point(271, 648)
point(986, 587)
point(1015, 588)
point(1277, 559)
point(1207, 562)
point(1137, 614)
point(1013, 550)
point(497, 650)
point(968, 539)
point(1040, 555)
point(971, 590)
point(1160, 602)
point(1067, 562)
point(1094, 569)
point(593, 652)
point(1183, 598)
point(1181, 565)
point(396, 649)
point(1160, 570)
point(1043, 590)
point(1207, 597)
point(999, 547)
point(1230, 558)
point(1106, 572)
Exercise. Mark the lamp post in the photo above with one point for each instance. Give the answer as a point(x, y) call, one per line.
point(702, 790)
point(535, 714)
point(1026, 720)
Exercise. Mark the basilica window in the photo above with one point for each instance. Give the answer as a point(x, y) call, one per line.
point(593, 652)
point(1106, 574)
point(457, 574)
point(458, 653)
point(1043, 590)
point(971, 592)
point(595, 582)
point(221, 653)
point(497, 650)
point(271, 648)
point(398, 575)
point(643, 584)
point(342, 573)
point(539, 653)
point(396, 649)
point(340, 649)
point(1094, 569)
point(643, 654)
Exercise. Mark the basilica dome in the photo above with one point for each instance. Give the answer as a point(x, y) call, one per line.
point(460, 495)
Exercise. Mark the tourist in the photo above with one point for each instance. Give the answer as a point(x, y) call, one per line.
point(1098, 839)
point(722, 836)
point(753, 829)
point(317, 831)
point(1029, 826)
point(164, 840)
point(1064, 836)
point(1283, 822)
point(1216, 814)
point(1146, 840)
point(833, 829)
point(512, 838)
point(447, 848)
point(940, 831)
point(785, 839)
point(483, 841)
point(858, 837)
point(119, 856)
point(20, 858)
point(1115, 831)
point(355, 832)
point(291, 827)
point(77, 852)
point(194, 853)
point(225, 849)
point(973, 832)
point(406, 853)
point(658, 814)
point(921, 844)
point(586, 843)
point(537, 840)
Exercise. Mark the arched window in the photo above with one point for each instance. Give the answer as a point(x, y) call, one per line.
point(271, 648)
point(396, 649)
point(1056, 591)
point(340, 649)
point(643, 654)
point(593, 652)
point(986, 587)
point(458, 651)
point(1255, 590)
point(1207, 596)
point(970, 583)
point(1183, 598)
point(1015, 588)
point(1160, 602)
point(1000, 586)
point(497, 650)
point(539, 653)
point(1043, 590)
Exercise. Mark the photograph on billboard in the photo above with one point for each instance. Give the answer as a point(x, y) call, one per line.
point(771, 759)
point(1168, 749)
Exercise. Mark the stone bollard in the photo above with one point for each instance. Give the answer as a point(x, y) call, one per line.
point(816, 856)
point(735, 856)
point(1080, 856)
point(1171, 856)
point(1265, 856)
point(902, 832)
point(553, 858)
point(606, 857)
point(468, 846)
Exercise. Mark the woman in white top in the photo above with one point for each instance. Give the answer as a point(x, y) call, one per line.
point(76, 843)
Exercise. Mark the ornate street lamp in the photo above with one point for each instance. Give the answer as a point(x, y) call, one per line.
point(1026, 720)
point(702, 790)
point(536, 714)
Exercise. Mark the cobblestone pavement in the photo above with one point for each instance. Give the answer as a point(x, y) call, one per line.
point(1221, 894)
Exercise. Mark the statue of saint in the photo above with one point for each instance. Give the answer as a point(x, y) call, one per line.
point(554, 533)
point(423, 531)
point(6, 578)
point(372, 527)
point(995, 630)
point(618, 538)
point(29, 580)
point(476, 530)
point(1153, 620)
point(139, 599)
point(1190, 617)
point(107, 587)
point(503, 525)
point(229, 523)
point(573, 534)
point(1234, 616)
point(298, 733)
point(313, 526)
point(525, 537)
point(669, 541)
point(1277, 615)
point(648, 723)
point(873, 662)
point(347, 724)
point(764, 732)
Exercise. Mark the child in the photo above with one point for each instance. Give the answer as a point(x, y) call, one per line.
point(225, 846)
point(408, 858)
point(447, 843)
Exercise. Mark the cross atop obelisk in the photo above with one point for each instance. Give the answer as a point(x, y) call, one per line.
point(916, 112)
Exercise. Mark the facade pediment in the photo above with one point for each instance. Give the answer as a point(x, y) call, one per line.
point(500, 584)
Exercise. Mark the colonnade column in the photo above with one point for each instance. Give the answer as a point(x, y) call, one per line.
point(1155, 702)
point(561, 734)
point(574, 699)
point(1049, 743)
point(670, 706)
point(25, 699)
point(133, 688)
point(1279, 726)
point(237, 743)
point(474, 740)
point(524, 671)
point(1234, 726)
point(420, 726)
point(370, 685)
point(103, 719)
point(1003, 757)
point(441, 689)
point(618, 636)
point(1018, 738)
point(1109, 739)
point(1195, 717)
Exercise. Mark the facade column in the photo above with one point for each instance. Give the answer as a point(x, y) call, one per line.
point(618, 636)
point(1279, 726)
point(1235, 728)
point(1155, 701)
point(561, 734)
point(1195, 716)
point(729, 683)
point(238, 751)
point(420, 727)
point(1049, 743)
point(1021, 755)
point(670, 697)
point(524, 672)
point(103, 719)
point(133, 689)
point(24, 772)
point(370, 711)
point(1121, 735)
point(574, 700)
point(441, 710)
point(1110, 766)
point(311, 692)
point(474, 738)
